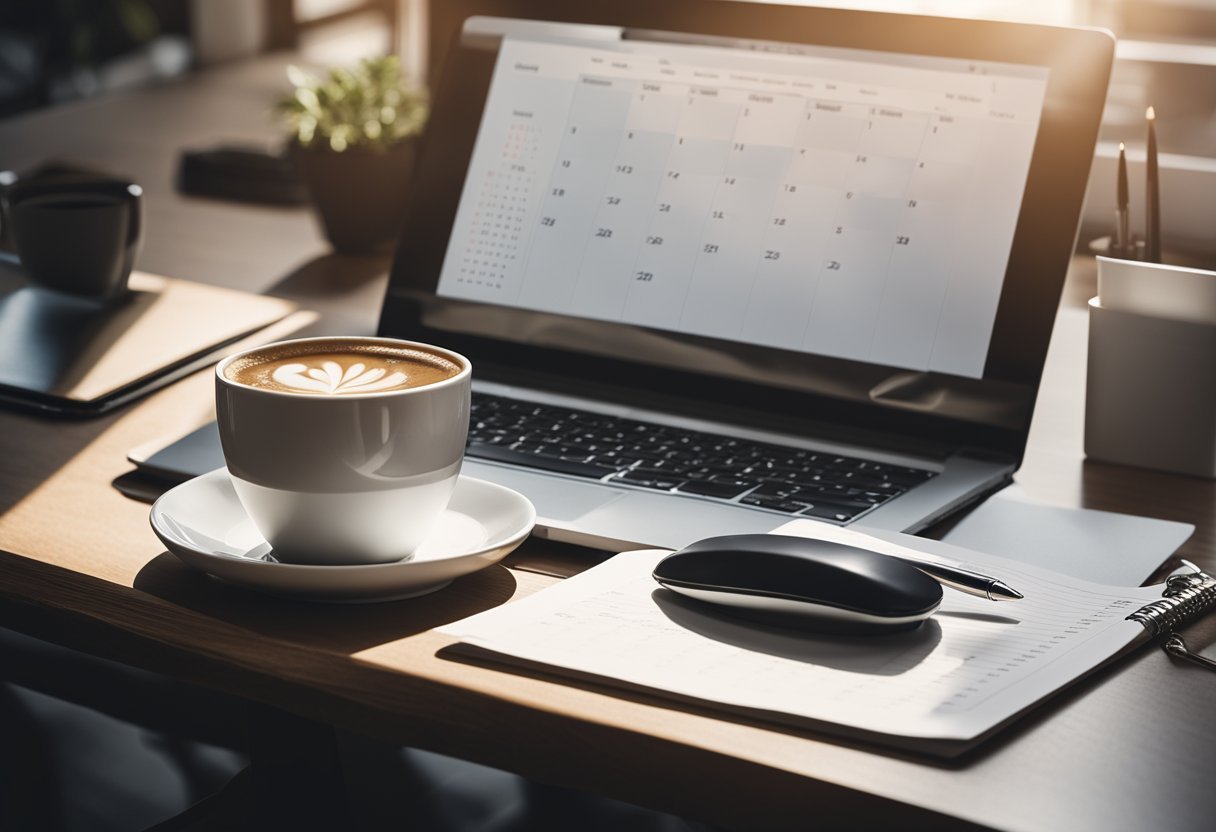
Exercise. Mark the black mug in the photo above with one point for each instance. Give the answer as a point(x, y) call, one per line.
point(76, 235)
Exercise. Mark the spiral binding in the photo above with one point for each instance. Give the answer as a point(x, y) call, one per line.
point(1185, 596)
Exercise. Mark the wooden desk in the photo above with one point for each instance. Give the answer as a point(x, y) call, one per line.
point(1131, 748)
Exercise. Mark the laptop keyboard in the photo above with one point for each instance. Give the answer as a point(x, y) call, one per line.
point(647, 455)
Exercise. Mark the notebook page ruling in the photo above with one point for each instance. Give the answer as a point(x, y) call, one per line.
point(969, 668)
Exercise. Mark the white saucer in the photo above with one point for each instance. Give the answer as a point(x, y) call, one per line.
point(203, 523)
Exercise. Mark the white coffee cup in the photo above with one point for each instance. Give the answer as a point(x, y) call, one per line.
point(350, 478)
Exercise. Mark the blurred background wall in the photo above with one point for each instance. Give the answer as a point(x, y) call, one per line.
point(57, 51)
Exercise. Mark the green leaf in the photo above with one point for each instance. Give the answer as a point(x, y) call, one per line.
point(372, 105)
point(308, 99)
point(298, 77)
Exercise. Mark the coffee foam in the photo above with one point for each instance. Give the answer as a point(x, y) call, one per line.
point(338, 367)
point(331, 378)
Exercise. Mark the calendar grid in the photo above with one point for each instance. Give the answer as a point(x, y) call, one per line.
point(911, 201)
point(839, 208)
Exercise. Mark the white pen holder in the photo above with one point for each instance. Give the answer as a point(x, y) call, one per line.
point(1151, 393)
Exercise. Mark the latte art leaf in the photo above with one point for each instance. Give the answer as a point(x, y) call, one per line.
point(331, 379)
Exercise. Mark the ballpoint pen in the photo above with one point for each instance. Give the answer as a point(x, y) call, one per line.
point(1123, 244)
point(1152, 212)
point(964, 580)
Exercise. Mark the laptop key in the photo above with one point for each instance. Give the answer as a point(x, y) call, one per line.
point(788, 506)
point(648, 478)
point(908, 476)
point(725, 489)
point(830, 512)
point(722, 473)
point(775, 472)
point(874, 484)
point(498, 453)
point(774, 490)
point(841, 503)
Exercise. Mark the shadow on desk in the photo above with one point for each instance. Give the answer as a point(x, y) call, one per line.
point(336, 283)
point(58, 440)
point(340, 628)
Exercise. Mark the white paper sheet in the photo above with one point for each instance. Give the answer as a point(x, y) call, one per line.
point(974, 664)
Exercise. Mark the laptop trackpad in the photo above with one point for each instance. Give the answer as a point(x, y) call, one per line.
point(555, 498)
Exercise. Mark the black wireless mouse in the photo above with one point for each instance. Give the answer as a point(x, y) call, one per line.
point(801, 583)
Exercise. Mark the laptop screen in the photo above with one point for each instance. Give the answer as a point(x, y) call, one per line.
point(837, 223)
point(802, 198)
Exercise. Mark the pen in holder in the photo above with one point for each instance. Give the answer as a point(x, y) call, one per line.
point(1123, 244)
point(1151, 392)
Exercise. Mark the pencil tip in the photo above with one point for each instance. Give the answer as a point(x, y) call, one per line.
point(1150, 114)
point(1121, 147)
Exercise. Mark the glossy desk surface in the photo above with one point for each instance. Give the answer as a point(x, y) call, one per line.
point(1131, 748)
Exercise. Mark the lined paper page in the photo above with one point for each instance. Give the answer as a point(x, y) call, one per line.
point(974, 664)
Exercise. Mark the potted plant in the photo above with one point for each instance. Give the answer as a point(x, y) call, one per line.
point(354, 139)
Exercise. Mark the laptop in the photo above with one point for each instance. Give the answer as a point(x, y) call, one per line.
point(722, 265)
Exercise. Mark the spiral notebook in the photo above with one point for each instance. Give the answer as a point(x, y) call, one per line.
point(939, 690)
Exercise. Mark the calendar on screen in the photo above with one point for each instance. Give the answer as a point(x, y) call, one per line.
point(841, 203)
